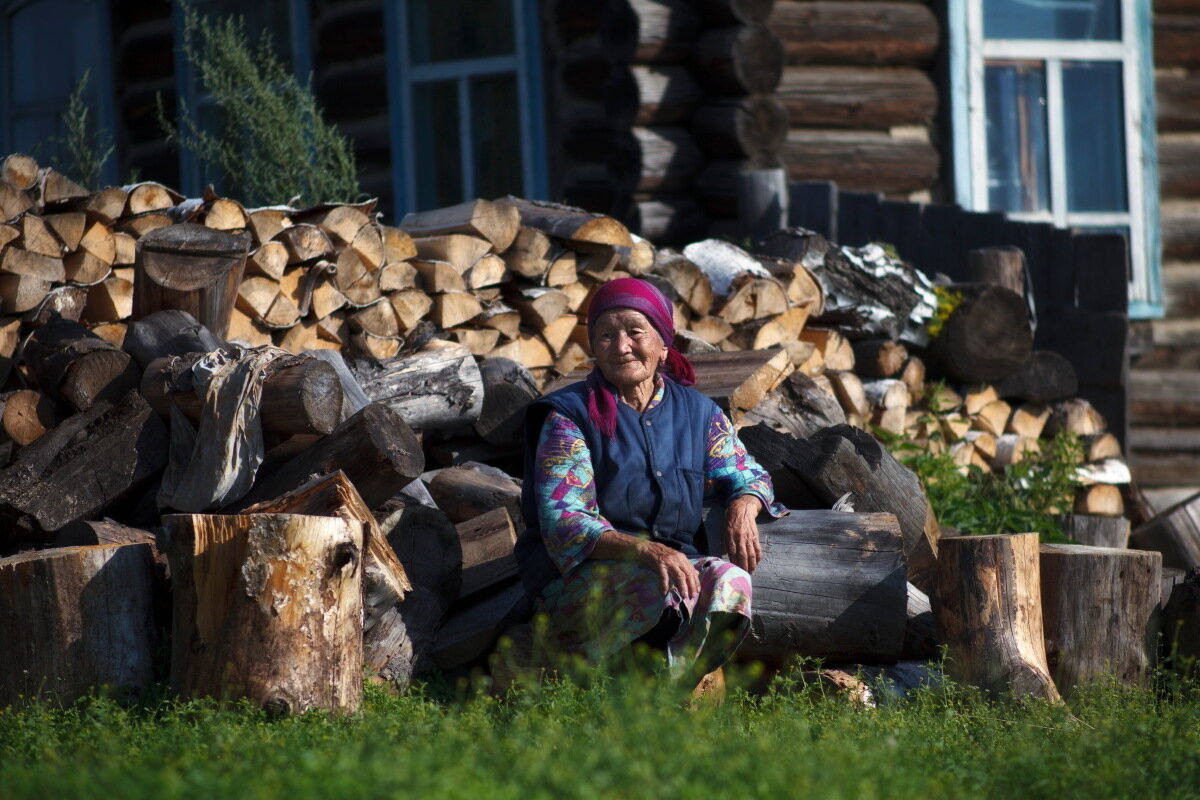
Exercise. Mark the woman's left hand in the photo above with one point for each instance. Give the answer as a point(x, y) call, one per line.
point(741, 531)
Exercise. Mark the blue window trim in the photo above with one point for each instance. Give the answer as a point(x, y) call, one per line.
point(300, 40)
point(527, 63)
point(959, 60)
point(102, 74)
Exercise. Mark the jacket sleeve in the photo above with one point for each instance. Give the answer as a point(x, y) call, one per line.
point(730, 471)
point(565, 491)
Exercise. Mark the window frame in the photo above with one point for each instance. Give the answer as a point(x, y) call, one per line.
point(524, 63)
point(969, 51)
point(102, 75)
point(191, 181)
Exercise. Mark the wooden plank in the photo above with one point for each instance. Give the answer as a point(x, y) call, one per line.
point(862, 98)
point(857, 215)
point(875, 33)
point(1101, 266)
point(814, 205)
point(861, 160)
point(1158, 396)
point(1095, 342)
point(899, 226)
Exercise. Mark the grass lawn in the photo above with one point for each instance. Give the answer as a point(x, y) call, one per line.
point(616, 740)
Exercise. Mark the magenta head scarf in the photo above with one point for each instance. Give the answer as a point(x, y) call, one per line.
point(644, 297)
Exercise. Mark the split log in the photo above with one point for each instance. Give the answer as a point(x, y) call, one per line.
point(87, 464)
point(437, 388)
point(879, 358)
point(830, 585)
point(61, 302)
point(300, 394)
point(458, 250)
point(738, 60)
point(1100, 499)
point(1098, 446)
point(1075, 416)
point(89, 533)
point(1097, 603)
point(19, 171)
point(277, 619)
point(798, 406)
point(495, 222)
point(689, 281)
point(1043, 377)
point(1174, 532)
point(1000, 266)
point(849, 391)
point(34, 265)
point(193, 269)
point(57, 189)
point(28, 414)
point(170, 332)
point(465, 493)
point(384, 581)
point(920, 633)
point(20, 293)
point(375, 448)
point(576, 227)
point(77, 619)
point(427, 543)
point(844, 459)
point(988, 607)
point(149, 196)
point(987, 337)
point(508, 387)
point(487, 551)
point(106, 205)
point(992, 418)
point(1030, 420)
point(70, 362)
point(836, 351)
point(305, 243)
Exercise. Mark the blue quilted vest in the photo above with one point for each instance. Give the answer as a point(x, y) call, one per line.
point(649, 477)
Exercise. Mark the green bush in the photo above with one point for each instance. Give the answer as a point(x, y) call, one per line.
point(273, 143)
point(87, 148)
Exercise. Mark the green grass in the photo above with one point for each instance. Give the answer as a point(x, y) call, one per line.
point(613, 741)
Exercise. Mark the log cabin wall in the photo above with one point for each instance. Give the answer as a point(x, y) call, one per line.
point(657, 104)
point(1165, 384)
point(860, 93)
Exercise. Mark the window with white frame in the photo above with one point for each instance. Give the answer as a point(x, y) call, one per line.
point(1052, 104)
point(465, 78)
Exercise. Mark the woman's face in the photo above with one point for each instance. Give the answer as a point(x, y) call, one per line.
point(627, 348)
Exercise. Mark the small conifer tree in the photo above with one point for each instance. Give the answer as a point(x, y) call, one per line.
point(273, 143)
point(87, 149)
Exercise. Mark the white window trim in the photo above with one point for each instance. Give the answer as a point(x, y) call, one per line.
point(968, 54)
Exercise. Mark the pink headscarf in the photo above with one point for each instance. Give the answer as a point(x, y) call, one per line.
point(644, 297)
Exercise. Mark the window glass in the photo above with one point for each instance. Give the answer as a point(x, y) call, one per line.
point(1093, 20)
point(1095, 136)
point(438, 150)
point(496, 135)
point(1018, 166)
point(450, 30)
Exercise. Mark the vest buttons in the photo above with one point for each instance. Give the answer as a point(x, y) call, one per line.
point(649, 423)
point(658, 473)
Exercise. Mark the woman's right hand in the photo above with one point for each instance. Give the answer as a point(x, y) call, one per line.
point(672, 566)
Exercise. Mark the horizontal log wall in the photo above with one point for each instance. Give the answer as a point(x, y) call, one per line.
point(1165, 434)
point(860, 94)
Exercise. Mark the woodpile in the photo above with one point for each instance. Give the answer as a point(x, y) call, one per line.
point(224, 386)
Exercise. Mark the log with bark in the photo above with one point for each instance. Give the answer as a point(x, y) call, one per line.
point(1097, 605)
point(437, 388)
point(987, 337)
point(1043, 377)
point(830, 585)
point(495, 222)
point(268, 608)
point(989, 613)
point(375, 448)
point(508, 388)
point(797, 406)
point(191, 268)
point(71, 363)
point(574, 226)
point(77, 620)
point(471, 490)
point(171, 332)
point(85, 466)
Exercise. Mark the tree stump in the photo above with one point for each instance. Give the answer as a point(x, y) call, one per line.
point(1097, 604)
point(986, 338)
point(988, 607)
point(74, 619)
point(267, 607)
point(191, 268)
point(831, 585)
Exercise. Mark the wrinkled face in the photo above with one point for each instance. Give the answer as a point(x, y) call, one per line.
point(627, 348)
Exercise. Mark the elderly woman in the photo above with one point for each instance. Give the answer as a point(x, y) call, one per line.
point(618, 469)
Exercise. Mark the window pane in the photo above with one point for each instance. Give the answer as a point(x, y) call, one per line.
point(1094, 126)
point(1018, 165)
point(496, 135)
point(450, 30)
point(270, 18)
point(1094, 20)
point(437, 157)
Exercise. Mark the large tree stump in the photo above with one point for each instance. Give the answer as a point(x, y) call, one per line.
point(438, 387)
point(986, 338)
point(267, 607)
point(988, 605)
point(76, 619)
point(830, 585)
point(1175, 533)
point(1097, 605)
point(375, 448)
point(86, 465)
point(191, 268)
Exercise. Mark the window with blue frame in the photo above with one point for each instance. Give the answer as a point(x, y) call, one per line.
point(1053, 117)
point(285, 22)
point(466, 96)
point(47, 46)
